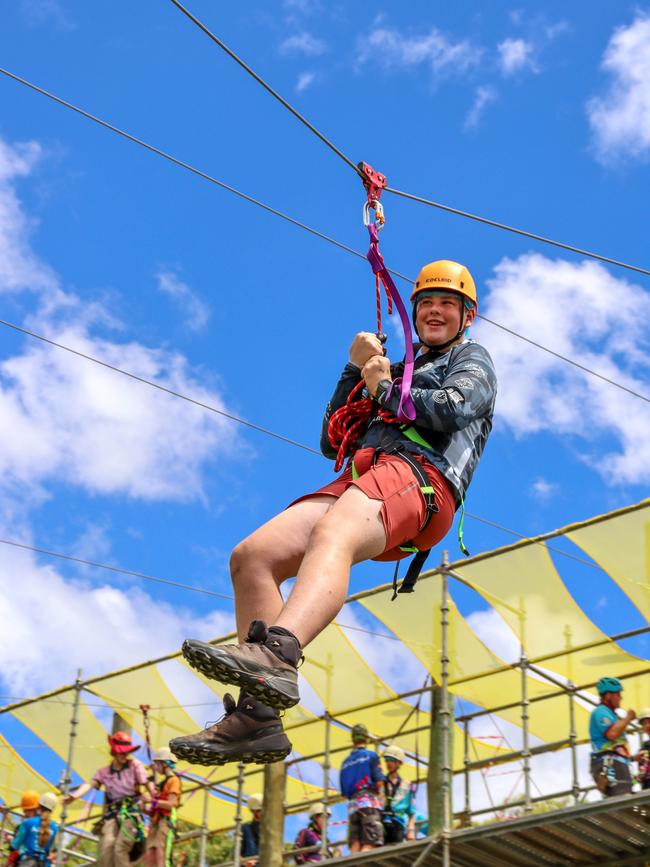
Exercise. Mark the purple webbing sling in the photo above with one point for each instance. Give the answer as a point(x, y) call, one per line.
point(406, 409)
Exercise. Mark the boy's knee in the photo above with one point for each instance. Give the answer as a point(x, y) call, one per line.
point(239, 558)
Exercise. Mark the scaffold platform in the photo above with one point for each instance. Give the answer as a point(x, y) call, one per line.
point(610, 833)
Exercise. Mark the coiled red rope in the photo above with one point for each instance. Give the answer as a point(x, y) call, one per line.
point(349, 421)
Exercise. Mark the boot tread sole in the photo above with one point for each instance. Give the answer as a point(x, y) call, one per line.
point(225, 672)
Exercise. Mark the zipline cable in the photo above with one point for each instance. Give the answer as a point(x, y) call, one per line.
point(448, 208)
point(266, 86)
point(158, 386)
point(205, 176)
point(118, 569)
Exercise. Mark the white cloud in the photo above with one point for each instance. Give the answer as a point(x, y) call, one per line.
point(64, 419)
point(196, 311)
point(305, 80)
point(620, 119)
point(52, 625)
point(20, 269)
point(303, 43)
point(581, 311)
point(515, 55)
point(483, 97)
point(105, 433)
point(390, 48)
point(46, 13)
point(542, 489)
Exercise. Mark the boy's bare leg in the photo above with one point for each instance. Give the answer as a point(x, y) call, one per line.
point(268, 557)
point(349, 532)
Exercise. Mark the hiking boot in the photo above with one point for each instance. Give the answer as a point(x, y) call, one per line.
point(248, 732)
point(265, 666)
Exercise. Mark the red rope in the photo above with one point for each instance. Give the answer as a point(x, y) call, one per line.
point(349, 422)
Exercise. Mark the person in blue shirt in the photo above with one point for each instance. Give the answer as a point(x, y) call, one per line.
point(34, 840)
point(610, 751)
point(250, 832)
point(362, 782)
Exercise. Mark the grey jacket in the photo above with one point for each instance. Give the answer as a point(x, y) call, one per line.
point(454, 397)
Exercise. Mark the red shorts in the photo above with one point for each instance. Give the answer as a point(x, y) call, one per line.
point(403, 509)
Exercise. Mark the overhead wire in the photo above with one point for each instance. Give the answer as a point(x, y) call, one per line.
point(448, 208)
point(158, 386)
point(269, 209)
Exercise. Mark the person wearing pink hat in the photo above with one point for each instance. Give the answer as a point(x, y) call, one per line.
point(121, 836)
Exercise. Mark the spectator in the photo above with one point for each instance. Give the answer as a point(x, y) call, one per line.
point(121, 832)
point(163, 810)
point(398, 815)
point(643, 756)
point(33, 844)
point(250, 840)
point(610, 757)
point(362, 784)
point(312, 835)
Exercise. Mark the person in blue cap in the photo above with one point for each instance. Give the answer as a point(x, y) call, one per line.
point(610, 751)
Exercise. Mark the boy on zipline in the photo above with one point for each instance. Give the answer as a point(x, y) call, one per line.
point(397, 495)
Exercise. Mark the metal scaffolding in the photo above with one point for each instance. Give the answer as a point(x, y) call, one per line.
point(454, 824)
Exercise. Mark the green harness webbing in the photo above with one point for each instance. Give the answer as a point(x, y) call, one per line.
point(415, 567)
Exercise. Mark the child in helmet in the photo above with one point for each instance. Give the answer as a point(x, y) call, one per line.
point(398, 815)
point(312, 835)
point(250, 831)
point(399, 492)
point(34, 840)
point(163, 810)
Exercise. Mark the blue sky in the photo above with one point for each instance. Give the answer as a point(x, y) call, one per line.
point(536, 118)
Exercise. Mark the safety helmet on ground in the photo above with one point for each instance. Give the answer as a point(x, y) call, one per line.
point(255, 802)
point(644, 714)
point(609, 684)
point(318, 809)
point(359, 733)
point(48, 801)
point(394, 753)
point(29, 800)
point(164, 754)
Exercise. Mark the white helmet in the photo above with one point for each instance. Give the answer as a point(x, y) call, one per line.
point(644, 714)
point(395, 753)
point(318, 809)
point(255, 802)
point(48, 801)
point(164, 754)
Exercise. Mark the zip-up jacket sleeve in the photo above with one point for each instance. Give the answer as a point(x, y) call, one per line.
point(467, 392)
point(347, 381)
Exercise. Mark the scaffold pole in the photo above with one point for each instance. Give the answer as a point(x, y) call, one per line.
point(573, 741)
point(444, 716)
point(326, 786)
point(525, 752)
point(203, 844)
point(238, 816)
point(66, 779)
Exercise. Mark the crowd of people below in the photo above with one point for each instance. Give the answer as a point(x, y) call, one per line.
point(381, 804)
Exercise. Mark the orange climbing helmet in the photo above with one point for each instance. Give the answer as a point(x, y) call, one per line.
point(29, 800)
point(446, 276)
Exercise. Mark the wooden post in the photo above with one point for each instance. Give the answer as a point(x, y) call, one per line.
point(272, 829)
